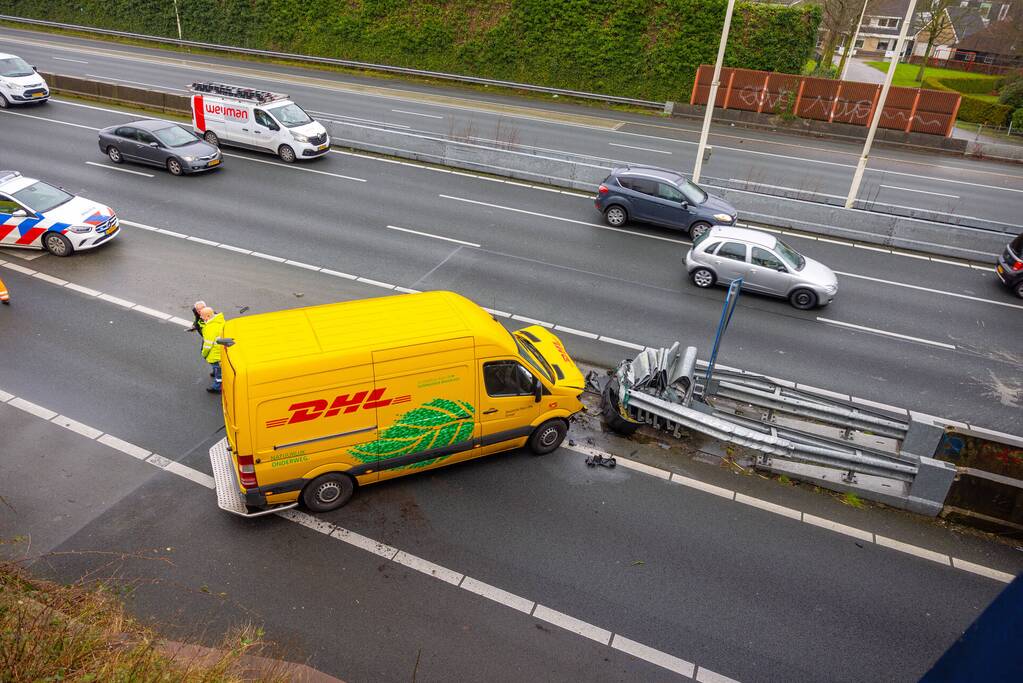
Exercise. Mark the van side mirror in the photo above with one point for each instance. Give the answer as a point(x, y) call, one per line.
point(537, 391)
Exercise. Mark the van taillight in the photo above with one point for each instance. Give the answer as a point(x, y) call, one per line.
point(247, 471)
point(603, 189)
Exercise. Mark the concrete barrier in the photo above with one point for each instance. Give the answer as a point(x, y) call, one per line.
point(106, 91)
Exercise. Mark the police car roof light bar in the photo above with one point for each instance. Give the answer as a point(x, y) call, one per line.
point(237, 92)
point(8, 175)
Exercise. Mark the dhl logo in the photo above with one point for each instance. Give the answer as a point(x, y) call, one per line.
point(345, 403)
point(561, 350)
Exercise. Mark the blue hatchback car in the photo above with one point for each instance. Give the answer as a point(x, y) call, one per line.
point(667, 198)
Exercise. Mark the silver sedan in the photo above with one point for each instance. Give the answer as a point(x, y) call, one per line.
point(765, 263)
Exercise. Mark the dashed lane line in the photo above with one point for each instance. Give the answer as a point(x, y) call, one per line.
point(885, 333)
point(396, 555)
point(499, 314)
point(799, 516)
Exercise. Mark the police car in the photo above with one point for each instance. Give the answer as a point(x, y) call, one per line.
point(37, 215)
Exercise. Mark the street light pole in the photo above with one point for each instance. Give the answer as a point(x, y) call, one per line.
point(862, 165)
point(712, 97)
point(852, 43)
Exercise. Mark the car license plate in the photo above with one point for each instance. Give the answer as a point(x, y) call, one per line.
point(37, 94)
point(321, 147)
point(214, 162)
point(111, 230)
point(999, 269)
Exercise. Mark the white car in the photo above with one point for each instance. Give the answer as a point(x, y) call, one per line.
point(37, 215)
point(256, 119)
point(19, 82)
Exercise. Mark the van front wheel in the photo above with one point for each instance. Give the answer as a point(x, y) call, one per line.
point(328, 492)
point(287, 154)
point(548, 436)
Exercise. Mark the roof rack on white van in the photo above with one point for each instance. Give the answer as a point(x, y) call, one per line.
point(237, 92)
point(8, 175)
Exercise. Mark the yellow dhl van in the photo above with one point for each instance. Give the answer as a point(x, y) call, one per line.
point(318, 401)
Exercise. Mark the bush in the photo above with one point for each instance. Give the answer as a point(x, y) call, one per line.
point(647, 49)
point(1017, 119)
point(972, 109)
point(972, 86)
point(1012, 94)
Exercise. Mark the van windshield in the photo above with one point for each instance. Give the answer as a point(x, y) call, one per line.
point(15, 67)
point(532, 356)
point(290, 115)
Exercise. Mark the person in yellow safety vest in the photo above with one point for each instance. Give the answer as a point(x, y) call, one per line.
point(213, 326)
point(5, 298)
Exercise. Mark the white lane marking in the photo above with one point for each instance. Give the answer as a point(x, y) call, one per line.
point(121, 170)
point(198, 477)
point(308, 521)
point(76, 427)
point(367, 544)
point(932, 291)
point(375, 283)
point(179, 321)
point(229, 247)
point(65, 59)
point(406, 290)
point(116, 300)
point(152, 312)
point(304, 266)
point(436, 237)
point(885, 333)
point(200, 240)
point(32, 408)
point(940, 558)
point(661, 659)
point(338, 273)
point(566, 220)
point(883, 406)
point(910, 189)
point(768, 506)
point(619, 342)
point(497, 595)
point(642, 149)
point(5, 397)
point(171, 233)
point(125, 447)
point(292, 167)
point(677, 478)
point(261, 255)
point(569, 623)
point(416, 113)
point(428, 568)
point(839, 528)
point(158, 461)
point(49, 278)
point(342, 118)
point(43, 118)
point(82, 290)
point(871, 248)
point(578, 333)
point(125, 80)
point(981, 570)
point(499, 314)
point(707, 676)
point(532, 321)
point(18, 268)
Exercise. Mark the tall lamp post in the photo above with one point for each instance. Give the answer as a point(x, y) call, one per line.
point(712, 97)
point(862, 165)
point(852, 43)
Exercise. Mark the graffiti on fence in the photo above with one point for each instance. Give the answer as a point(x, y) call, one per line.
point(965, 450)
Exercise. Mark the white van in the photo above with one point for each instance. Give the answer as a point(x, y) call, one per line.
point(256, 119)
point(19, 82)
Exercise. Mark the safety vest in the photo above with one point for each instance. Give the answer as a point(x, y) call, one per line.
point(4, 296)
point(210, 331)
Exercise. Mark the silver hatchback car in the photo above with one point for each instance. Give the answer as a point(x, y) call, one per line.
point(765, 263)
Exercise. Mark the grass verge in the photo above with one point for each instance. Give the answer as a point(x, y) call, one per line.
point(52, 632)
point(905, 74)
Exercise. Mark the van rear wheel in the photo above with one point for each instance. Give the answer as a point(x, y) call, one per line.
point(548, 436)
point(328, 492)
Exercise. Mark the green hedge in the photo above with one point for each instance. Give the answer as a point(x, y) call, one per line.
point(971, 109)
point(649, 49)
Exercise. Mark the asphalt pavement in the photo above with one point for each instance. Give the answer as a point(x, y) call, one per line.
point(982, 189)
point(734, 589)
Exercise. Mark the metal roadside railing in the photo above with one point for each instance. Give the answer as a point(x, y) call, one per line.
point(364, 66)
point(802, 434)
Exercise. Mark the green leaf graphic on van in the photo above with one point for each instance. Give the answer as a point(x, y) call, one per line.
point(439, 423)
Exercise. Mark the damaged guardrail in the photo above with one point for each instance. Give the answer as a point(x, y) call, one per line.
point(831, 442)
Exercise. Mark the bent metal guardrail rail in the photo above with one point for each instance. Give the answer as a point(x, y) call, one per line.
point(365, 66)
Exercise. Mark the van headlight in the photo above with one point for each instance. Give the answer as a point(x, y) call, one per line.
point(723, 217)
point(300, 138)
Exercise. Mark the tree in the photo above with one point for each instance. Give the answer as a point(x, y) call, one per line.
point(839, 18)
point(935, 18)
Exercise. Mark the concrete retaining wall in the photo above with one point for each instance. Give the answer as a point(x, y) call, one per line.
point(120, 94)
